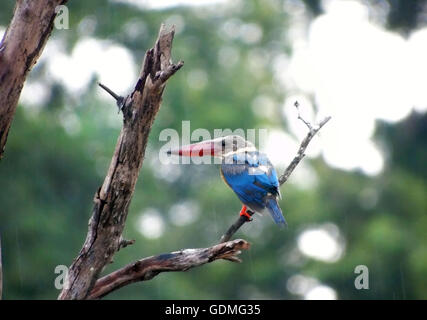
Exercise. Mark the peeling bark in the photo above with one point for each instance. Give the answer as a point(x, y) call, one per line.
point(147, 268)
point(22, 45)
point(111, 201)
point(20, 48)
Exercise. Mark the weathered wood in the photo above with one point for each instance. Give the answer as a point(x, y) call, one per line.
point(22, 44)
point(111, 201)
point(148, 268)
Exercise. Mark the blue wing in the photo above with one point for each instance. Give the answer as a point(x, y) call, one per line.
point(253, 178)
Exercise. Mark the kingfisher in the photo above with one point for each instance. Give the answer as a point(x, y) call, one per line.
point(248, 172)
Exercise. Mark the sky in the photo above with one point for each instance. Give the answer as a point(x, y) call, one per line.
point(359, 73)
point(163, 4)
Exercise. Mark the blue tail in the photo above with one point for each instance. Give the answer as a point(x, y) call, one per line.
point(276, 213)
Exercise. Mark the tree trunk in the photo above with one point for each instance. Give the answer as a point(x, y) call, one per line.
point(22, 45)
point(111, 202)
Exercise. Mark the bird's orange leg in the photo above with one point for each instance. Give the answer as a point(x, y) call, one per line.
point(244, 212)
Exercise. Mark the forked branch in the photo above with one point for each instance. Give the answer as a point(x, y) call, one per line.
point(147, 268)
point(112, 200)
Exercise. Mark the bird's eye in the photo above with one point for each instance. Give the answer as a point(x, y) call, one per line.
point(223, 144)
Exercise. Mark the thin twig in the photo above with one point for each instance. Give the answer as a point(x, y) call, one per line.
point(304, 144)
point(308, 124)
point(119, 99)
point(111, 92)
point(123, 243)
point(234, 227)
point(285, 176)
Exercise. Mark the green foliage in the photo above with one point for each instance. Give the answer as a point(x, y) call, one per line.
point(49, 175)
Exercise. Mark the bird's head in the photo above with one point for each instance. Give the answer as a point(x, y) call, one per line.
point(219, 147)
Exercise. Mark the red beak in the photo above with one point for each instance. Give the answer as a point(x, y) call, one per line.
point(200, 149)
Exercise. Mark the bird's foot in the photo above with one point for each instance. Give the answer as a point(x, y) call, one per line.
point(244, 212)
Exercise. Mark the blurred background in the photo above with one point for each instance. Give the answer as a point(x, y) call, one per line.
point(359, 198)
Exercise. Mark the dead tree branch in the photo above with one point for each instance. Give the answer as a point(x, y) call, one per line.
point(148, 268)
point(313, 130)
point(111, 201)
point(22, 44)
point(20, 48)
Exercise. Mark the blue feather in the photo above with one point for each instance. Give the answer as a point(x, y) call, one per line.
point(254, 180)
point(275, 212)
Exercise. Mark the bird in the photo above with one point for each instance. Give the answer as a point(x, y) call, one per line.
point(248, 172)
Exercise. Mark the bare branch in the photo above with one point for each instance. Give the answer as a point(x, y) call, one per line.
point(119, 99)
point(112, 200)
point(308, 124)
point(241, 220)
point(148, 268)
point(123, 243)
point(168, 72)
point(285, 176)
point(300, 154)
point(22, 44)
